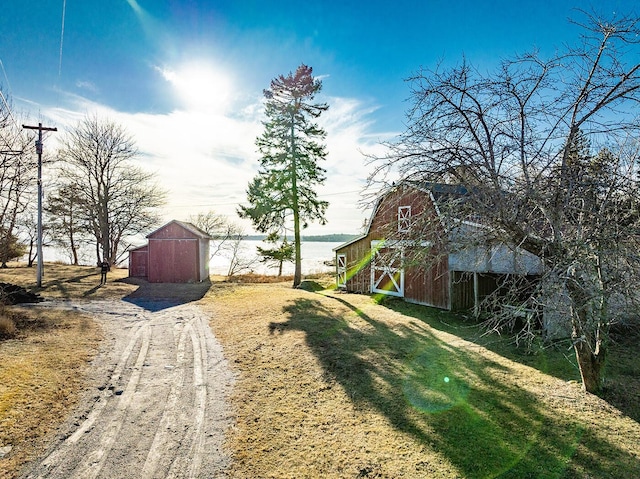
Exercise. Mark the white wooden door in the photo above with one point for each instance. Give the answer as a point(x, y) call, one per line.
point(387, 273)
point(341, 270)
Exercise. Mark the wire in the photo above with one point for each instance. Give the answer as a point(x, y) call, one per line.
point(4, 100)
point(5, 74)
point(340, 193)
point(64, 9)
point(235, 203)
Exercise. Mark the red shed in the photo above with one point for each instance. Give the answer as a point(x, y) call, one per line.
point(138, 261)
point(178, 252)
point(381, 261)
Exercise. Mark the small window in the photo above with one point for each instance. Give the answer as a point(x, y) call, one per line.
point(404, 219)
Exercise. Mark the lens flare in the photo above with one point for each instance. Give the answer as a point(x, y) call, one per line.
point(430, 386)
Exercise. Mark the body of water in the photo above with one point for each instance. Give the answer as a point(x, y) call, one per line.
point(314, 256)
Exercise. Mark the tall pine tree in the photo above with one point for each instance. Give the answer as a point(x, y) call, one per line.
point(290, 147)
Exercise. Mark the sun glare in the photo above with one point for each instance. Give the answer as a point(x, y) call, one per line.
point(200, 86)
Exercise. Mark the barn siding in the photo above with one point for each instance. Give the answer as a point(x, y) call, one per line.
point(384, 224)
point(424, 286)
point(358, 265)
point(173, 261)
point(429, 286)
point(172, 231)
point(203, 258)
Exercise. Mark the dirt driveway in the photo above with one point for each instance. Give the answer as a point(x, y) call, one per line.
point(156, 406)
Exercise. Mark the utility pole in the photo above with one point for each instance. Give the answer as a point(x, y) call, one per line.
point(40, 129)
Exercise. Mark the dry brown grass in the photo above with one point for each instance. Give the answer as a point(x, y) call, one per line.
point(68, 281)
point(334, 385)
point(42, 366)
point(257, 278)
point(7, 325)
point(40, 375)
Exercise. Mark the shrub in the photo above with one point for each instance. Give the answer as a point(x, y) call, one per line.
point(7, 326)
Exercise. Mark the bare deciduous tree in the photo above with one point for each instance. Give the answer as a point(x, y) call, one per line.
point(17, 181)
point(120, 200)
point(227, 240)
point(548, 149)
point(66, 210)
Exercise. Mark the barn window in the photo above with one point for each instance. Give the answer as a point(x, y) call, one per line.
point(404, 219)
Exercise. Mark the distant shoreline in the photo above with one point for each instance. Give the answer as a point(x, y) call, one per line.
point(332, 238)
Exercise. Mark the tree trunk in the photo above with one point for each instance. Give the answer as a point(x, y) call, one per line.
point(297, 274)
point(74, 249)
point(590, 365)
point(587, 336)
point(32, 257)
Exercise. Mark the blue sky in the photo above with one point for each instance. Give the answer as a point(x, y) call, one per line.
point(185, 77)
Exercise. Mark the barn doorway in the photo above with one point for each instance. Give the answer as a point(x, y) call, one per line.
point(387, 272)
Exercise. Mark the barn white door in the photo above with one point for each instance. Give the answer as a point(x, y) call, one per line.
point(341, 270)
point(387, 273)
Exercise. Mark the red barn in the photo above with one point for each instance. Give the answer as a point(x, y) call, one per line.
point(380, 261)
point(178, 252)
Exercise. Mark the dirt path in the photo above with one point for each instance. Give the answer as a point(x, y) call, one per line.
point(157, 405)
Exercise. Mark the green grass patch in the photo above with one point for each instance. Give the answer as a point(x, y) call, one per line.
point(556, 358)
point(477, 409)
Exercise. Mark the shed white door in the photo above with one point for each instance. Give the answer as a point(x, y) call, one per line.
point(387, 274)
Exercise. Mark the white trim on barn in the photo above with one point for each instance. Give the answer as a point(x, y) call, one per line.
point(387, 271)
point(404, 219)
point(341, 265)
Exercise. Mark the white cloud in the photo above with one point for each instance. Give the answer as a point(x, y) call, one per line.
point(205, 159)
point(87, 85)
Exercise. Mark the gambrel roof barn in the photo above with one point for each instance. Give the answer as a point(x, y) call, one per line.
point(408, 251)
point(177, 252)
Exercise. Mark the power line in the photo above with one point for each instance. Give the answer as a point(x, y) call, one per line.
point(339, 193)
point(235, 203)
point(6, 103)
point(64, 8)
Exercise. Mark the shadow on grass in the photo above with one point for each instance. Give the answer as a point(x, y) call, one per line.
point(556, 359)
point(91, 291)
point(159, 296)
point(449, 399)
point(60, 284)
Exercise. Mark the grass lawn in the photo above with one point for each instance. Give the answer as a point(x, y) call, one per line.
point(336, 385)
point(44, 361)
point(42, 369)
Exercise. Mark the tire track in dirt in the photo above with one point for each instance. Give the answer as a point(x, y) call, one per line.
point(93, 462)
point(162, 439)
point(115, 379)
point(161, 410)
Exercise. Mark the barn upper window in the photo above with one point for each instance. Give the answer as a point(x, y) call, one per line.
point(404, 219)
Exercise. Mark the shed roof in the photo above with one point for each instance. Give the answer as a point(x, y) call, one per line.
point(187, 226)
